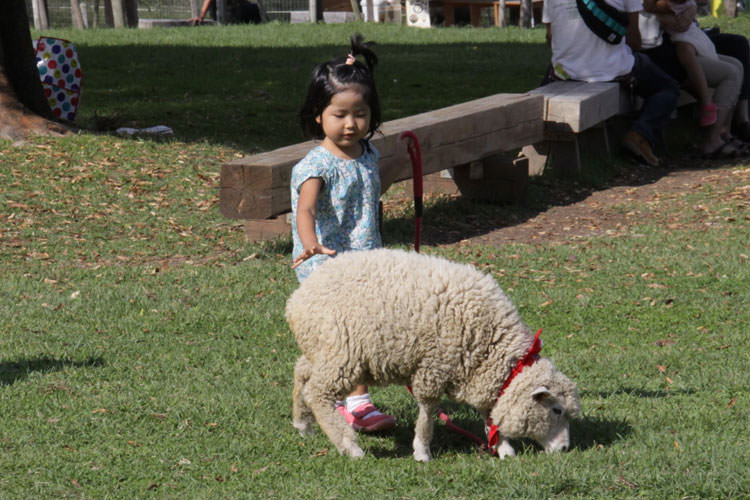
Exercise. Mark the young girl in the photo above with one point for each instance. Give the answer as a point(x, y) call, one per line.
point(336, 187)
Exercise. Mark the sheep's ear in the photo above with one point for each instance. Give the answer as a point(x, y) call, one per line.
point(540, 393)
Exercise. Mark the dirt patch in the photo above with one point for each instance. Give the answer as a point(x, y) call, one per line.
point(570, 212)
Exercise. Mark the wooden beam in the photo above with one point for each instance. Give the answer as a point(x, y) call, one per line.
point(577, 106)
point(257, 186)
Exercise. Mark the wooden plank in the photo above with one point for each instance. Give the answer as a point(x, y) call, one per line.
point(257, 186)
point(576, 106)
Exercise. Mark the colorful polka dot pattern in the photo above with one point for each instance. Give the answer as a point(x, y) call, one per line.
point(61, 75)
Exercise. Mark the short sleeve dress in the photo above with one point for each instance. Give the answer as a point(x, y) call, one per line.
point(347, 213)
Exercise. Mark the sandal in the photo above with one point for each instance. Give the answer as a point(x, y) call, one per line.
point(722, 153)
point(360, 421)
point(708, 115)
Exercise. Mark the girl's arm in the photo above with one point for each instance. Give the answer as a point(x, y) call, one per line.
point(308, 199)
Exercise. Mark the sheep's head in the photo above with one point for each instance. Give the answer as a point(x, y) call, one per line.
point(538, 404)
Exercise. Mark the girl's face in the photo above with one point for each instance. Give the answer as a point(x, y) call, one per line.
point(345, 121)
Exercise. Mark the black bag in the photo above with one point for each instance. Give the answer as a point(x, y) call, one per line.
point(605, 21)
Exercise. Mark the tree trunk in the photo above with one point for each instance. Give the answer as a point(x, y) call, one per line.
point(41, 19)
point(23, 108)
point(131, 13)
point(524, 20)
point(730, 8)
point(76, 15)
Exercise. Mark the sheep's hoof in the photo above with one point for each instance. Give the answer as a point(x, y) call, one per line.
point(356, 452)
point(421, 451)
point(304, 427)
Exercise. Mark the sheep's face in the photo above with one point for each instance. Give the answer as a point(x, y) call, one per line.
point(538, 404)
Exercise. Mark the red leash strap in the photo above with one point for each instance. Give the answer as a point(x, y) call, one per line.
point(493, 436)
point(415, 153)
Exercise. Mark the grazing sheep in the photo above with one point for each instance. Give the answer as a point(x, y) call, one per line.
point(392, 317)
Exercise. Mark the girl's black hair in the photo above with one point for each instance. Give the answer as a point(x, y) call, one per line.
point(334, 76)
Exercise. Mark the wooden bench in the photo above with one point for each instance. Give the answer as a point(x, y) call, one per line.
point(578, 122)
point(256, 188)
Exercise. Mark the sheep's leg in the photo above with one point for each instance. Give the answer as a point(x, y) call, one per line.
point(423, 430)
point(322, 401)
point(302, 417)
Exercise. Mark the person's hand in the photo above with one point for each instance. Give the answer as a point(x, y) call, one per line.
point(309, 252)
point(195, 21)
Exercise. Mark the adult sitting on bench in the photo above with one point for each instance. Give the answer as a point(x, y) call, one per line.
point(586, 49)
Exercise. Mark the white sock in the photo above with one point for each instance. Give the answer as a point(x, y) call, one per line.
point(354, 402)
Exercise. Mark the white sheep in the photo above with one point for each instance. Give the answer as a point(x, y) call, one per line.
point(384, 316)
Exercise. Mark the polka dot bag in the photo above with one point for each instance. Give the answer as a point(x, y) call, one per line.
point(61, 75)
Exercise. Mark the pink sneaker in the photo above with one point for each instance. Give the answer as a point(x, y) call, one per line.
point(360, 421)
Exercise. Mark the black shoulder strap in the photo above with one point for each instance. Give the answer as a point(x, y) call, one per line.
point(605, 21)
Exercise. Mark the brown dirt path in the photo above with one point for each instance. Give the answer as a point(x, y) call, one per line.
point(634, 196)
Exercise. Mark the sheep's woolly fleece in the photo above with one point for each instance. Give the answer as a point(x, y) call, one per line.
point(357, 307)
point(393, 317)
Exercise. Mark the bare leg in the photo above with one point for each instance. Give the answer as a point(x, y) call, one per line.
point(696, 77)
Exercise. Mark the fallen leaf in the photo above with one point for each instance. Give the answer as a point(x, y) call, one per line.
point(732, 402)
point(100, 410)
point(321, 453)
point(76, 483)
point(663, 342)
point(662, 368)
point(159, 416)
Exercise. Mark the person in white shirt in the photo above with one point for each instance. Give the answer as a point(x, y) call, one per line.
point(580, 54)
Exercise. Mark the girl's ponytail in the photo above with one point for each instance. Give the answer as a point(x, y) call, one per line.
point(360, 47)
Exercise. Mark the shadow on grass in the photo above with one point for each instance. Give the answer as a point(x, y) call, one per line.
point(449, 220)
point(586, 433)
point(13, 371)
point(591, 432)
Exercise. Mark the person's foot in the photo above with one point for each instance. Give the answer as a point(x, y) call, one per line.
point(367, 418)
point(637, 145)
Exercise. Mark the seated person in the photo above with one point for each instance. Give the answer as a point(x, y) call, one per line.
point(722, 73)
point(583, 51)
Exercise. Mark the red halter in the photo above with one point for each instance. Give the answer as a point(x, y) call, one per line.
point(493, 436)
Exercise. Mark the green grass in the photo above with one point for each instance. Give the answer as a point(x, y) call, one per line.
point(144, 352)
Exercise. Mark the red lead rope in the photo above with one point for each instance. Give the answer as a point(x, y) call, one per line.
point(415, 153)
point(493, 436)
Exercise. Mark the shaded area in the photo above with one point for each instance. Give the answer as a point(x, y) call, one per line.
point(13, 371)
point(557, 209)
point(248, 97)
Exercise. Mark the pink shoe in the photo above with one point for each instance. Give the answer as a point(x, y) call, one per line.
point(708, 115)
point(360, 422)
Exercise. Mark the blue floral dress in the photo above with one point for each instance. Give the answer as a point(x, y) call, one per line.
point(347, 210)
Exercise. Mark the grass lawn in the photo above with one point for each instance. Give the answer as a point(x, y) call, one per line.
point(144, 351)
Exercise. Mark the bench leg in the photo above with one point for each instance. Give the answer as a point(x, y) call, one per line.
point(268, 229)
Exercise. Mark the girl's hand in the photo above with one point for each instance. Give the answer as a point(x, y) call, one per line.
point(309, 252)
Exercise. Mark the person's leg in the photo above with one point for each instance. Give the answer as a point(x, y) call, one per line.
point(687, 56)
point(725, 76)
point(696, 79)
point(737, 46)
point(361, 414)
point(659, 92)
